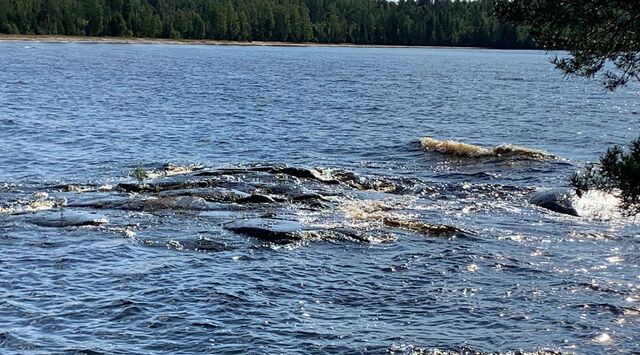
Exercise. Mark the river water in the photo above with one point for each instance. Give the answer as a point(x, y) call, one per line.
point(291, 204)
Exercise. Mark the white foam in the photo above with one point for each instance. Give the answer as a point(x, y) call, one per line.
point(456, 148)
point(41, 201)
point(598, 204)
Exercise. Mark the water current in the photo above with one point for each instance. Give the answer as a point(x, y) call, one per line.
point(307, 200)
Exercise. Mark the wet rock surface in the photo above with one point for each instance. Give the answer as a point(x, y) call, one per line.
point(66, 219)
point(270, 230)
point(423, 228)
point(273, 204)
point(559, 200)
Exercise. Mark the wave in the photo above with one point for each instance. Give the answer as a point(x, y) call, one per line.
point(461, 149)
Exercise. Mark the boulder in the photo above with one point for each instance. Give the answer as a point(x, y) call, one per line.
point(557, 200)
point(276, 231)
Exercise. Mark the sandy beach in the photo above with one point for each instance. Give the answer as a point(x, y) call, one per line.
point(209, 42)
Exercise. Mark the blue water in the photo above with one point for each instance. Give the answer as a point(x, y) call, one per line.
point(519, 277)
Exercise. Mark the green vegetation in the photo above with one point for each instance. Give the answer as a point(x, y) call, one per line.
point(422, 22)
point(601, 36)
point(596, 33)
point(140, 174)
point(618, 172)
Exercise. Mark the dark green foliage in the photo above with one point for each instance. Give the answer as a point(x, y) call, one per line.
point(422, 22)
point(618, 172)
point(595, 32)
point(599, 34)
point(140, 174)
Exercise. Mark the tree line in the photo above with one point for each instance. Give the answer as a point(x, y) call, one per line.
point(406, 22)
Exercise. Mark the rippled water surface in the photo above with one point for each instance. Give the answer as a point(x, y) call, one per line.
point(292, 205)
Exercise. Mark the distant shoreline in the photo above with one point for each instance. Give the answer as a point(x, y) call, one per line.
point(207, 42)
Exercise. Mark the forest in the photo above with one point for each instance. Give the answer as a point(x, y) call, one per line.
point(379, 22)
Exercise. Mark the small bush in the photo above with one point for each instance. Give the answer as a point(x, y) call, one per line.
point(618, 173)
point(140, 174)
point(62, 204)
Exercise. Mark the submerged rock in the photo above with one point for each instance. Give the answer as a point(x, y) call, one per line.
point(263, 202)
point(364, 237)
point(355, 181)
point(295, 172)
point(97, 200)
point(208, 245)
point(306, 196)
point(164, 186)
point(67, 219)
point(199, 245)
point(215, 194)
point(558, 200)
point(225, 215)
point(439, 230)
point(276, 231)
point(218, 194)
point(311, 200)
point(256, 198)
point(189, 203)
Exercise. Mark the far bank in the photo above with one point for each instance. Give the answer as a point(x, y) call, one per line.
point(207, 42)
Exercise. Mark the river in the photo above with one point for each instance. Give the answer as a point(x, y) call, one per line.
point(307, 200)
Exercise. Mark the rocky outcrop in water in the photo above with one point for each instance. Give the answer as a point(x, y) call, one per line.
point(270, 230)
point(440, 230)
point(559, 200)
point(66, 219)
point(272, 204)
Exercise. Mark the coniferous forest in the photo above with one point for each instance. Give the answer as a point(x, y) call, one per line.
point(422, 22)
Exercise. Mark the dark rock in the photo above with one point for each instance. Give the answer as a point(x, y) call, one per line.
point(439, 230)
point(348, 233)
point(66, 219)
point(165, 186)
point(362, 183)
point(558, 200)
point(256, 198)
point(201, 245)
point(188, 203)
point(223, 171)
point(129, 187)
point(208, 245)
point(97, 200)
point(213, 195)
point(359, 236)
point(276, 231)
point(295, 172)
point(308, 197)
point(223, 215)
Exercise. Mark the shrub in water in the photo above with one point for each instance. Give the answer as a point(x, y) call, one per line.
point(140, 174)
